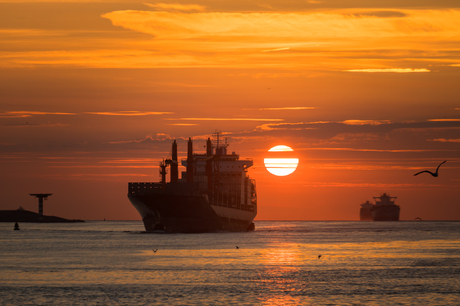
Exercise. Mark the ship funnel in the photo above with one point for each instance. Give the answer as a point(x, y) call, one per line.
point(209, 163)
point(190, 161)
point(209, 147)
point(174, 165)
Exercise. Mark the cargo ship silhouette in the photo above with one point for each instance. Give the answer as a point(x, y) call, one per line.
point(215, 192)
point(384, 209)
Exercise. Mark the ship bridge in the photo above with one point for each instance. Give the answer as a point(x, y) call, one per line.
point(385, 199)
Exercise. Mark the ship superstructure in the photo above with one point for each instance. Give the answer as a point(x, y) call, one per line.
point(385, 208)
point(214, 193)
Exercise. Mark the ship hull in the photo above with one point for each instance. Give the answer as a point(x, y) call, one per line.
point(386, 213)
point(188, 214)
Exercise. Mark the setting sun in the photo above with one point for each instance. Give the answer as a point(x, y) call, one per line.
point(281, 166)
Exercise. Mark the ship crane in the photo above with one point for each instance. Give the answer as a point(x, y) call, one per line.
point(163, 165)
point(174, 167)
point(40, 197)
point(163, 172)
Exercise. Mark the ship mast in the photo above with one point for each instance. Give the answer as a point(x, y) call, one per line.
point(163, 174)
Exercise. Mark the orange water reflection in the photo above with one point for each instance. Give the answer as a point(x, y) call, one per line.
point(281, 264)
point(281, 256)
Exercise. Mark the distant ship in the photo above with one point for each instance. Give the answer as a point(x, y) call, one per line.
point(365, 213)
point(384, 209)
point(214, 194)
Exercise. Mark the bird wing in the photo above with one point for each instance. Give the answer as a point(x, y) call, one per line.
point(423, 171)
point(440, 165)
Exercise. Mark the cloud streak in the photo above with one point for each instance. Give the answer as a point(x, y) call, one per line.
point(446, 140)
point(26, 114)
point(179, 7)
point(369, 150)
point(394, 70)
point(288, 108)
point(366, 122)
point(128, 113)
point(148, 139)
point(444, 120)
point(366, 185)
point(225, 119)
point(275, 50)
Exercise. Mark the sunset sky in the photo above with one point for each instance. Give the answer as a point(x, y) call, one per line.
point(366, 93)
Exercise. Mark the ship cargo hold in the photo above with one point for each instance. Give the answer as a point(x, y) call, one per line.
point(215, 192)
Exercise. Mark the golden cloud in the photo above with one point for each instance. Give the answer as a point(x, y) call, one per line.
point(296, 26)
point(304, 34)
point(187, 36)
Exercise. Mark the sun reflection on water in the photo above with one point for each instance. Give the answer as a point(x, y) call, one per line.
point(275, 267)
point(281, 256)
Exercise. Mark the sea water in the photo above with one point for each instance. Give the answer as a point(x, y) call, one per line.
point(114, 263)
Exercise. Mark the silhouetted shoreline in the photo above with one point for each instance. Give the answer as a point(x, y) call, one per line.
point(21, 215)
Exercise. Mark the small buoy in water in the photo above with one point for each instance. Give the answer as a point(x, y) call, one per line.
point(16, 226)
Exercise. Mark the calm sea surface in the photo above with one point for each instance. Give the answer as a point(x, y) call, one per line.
point(113, 263)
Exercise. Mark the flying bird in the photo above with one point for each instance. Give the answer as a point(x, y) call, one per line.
point(154, 251)
point(433, 174)
point(237, 247)
point(319, 256)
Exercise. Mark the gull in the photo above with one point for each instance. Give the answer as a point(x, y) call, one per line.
point(154, 251)
point(433, 174)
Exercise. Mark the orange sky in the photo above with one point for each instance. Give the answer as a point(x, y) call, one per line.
point(365, 92)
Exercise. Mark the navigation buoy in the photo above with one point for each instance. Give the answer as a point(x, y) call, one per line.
point(16, 226)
